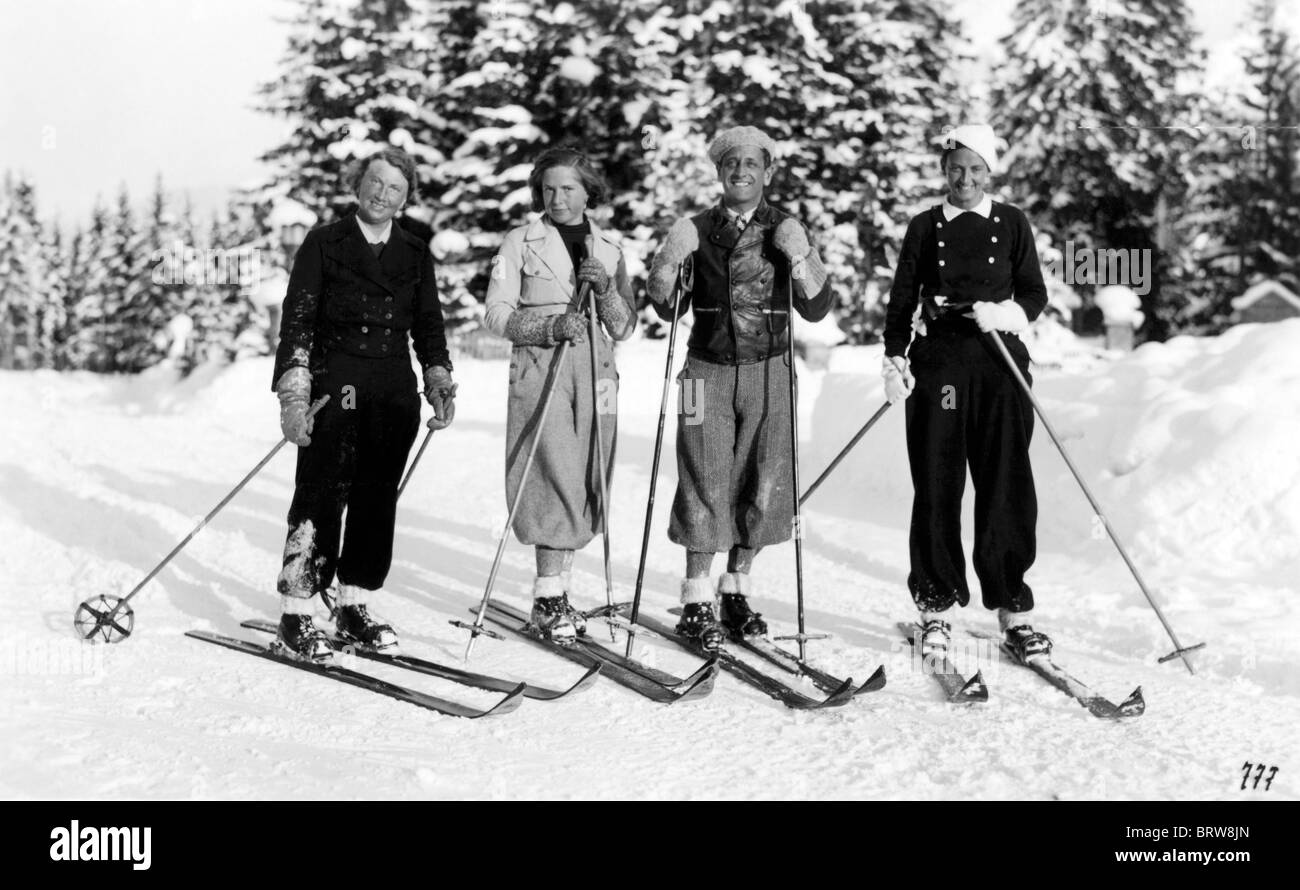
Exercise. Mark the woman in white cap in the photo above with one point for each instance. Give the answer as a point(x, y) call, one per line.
point(534, 299)
point(972, 265)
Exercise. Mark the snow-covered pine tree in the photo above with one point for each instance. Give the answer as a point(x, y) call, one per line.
point(1239, 221)
point(128, 322)
point(530, 75)
point(1272, 214)
point(853, 91)
point(71, 272)
point(353, 79)
point(1093, 101)
point(54, 290)
point(86, 344)
point(23, 276)
point(226, 323)
point(158, 298)
point(1208, 232)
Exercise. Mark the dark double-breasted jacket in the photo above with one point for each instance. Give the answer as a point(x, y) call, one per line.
point(343, 298)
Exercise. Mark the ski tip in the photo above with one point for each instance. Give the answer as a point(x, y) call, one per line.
point(841, 696)
point(710, 668)
point(1133, 706)
point(587, 680)
point(875, 682)
point(514, 698)
point(975, 690)
point(702, 686)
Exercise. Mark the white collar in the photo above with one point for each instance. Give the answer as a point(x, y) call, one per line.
point(374, 234)
point(742, 219)
point(984, 208)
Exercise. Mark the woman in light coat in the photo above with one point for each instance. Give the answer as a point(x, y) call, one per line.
point(534, 300)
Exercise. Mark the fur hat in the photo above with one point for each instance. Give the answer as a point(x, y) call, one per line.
point(978, 138)
point(737, 136)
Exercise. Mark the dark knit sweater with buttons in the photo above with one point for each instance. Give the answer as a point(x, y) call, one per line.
point(966, 259)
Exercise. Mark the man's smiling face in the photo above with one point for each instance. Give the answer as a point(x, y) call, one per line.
point(744, 172)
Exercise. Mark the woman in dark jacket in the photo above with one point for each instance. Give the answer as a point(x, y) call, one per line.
point(358, 288)
point(971, 264)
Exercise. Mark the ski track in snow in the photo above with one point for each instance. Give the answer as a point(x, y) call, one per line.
point(102, 477)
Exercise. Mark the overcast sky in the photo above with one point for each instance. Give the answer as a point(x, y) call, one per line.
point(97, 92)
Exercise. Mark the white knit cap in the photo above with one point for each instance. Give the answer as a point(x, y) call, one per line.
point(978, 138)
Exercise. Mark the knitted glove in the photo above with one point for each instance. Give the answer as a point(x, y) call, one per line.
point(569, 326)
point(613, 311)
point(1005, 316)
point(682, 241)
point(792, 240)
point(529, 329)
point(294, 392)
point(593, 270)
point(899, 381)
point(805, 263)
point(441, 393)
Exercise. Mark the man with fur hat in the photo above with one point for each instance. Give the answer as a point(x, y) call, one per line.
point(972, 264)
point(735, 469)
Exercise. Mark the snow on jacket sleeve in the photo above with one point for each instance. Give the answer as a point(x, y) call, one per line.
point(301, 309)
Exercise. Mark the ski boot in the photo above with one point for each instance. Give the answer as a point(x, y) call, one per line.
point(698, 623)
point(578, 618)
point(354, 624)
point(552, 616)
point(936, 637)
point(298, 637)
point(734, 611)
point(1024, 643)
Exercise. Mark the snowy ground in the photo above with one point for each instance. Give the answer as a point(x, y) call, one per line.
point(1191, 445)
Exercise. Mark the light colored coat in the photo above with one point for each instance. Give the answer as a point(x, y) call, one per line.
point(532, 270)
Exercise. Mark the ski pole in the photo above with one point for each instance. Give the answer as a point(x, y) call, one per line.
point(802, 637)
point(685, 278)
point(420, 453)
point(327, 596)
point(1179, 650)
point(880, 412)
point(477, 627)
point(600, 448)
point(101, 613)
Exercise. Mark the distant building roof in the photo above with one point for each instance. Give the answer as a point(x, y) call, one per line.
point(1258, 291)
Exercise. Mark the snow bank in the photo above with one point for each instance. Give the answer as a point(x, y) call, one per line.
point(1190, 446)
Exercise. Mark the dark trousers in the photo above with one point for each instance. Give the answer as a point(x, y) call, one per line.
point(355, 461)
point(968, 409)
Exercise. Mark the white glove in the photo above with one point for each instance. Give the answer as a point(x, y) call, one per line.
point(899, 381)
point(1005, 316)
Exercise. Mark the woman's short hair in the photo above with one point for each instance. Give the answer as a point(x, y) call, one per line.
point(590, 178)
point(394, 156)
